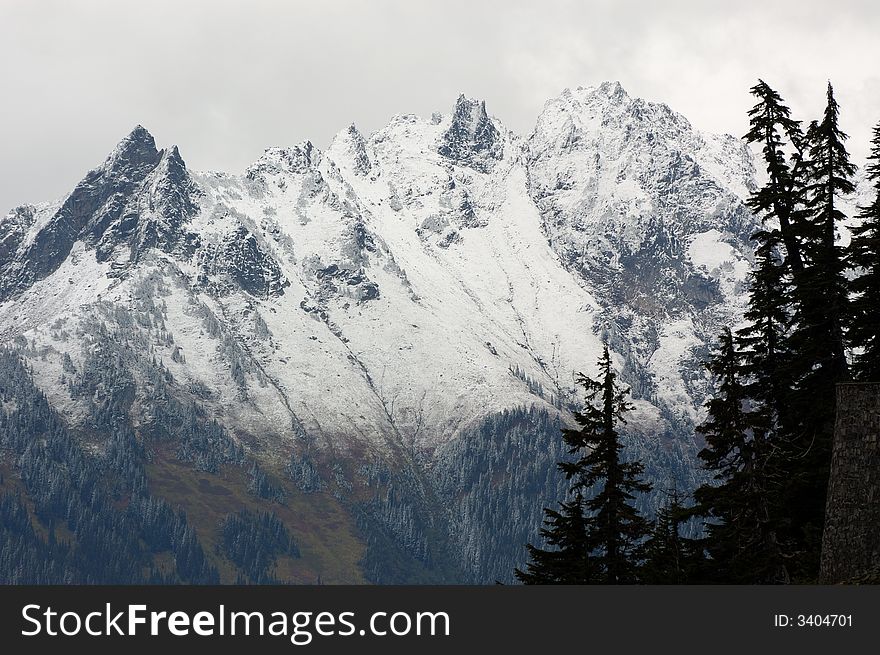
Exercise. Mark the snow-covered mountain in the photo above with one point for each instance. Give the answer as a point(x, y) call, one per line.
point(393, 325)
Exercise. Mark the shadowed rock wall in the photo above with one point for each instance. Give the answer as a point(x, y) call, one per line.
point(851, 542)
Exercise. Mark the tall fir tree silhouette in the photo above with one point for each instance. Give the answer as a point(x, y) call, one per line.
point(613, 527)
point(817, 342)
point(779, 260)
point(742, 531)
point(792, 352)
point(823, 295)
point(783, 147)
point(863, 257)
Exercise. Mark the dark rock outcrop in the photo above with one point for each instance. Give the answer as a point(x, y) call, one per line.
point(243, 259)
point(851, 541)
point(472, 139)
point(139, 198)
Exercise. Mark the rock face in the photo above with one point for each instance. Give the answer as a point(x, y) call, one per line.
point(472, 138)
point(649, 212)
point(851, 541)
point(397, 321)
point(139, 198)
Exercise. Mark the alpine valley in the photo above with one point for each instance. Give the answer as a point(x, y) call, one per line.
point(364, 352)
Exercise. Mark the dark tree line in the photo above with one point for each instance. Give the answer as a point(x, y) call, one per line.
point(111, 526)
point(813, 320)
point(812, 323)
point(92, 518)
point(253, 542)
point(69, 514)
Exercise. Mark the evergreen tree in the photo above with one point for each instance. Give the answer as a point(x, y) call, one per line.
point(569, 560)
point(743, 524)
point(793, 351)
point(822, 297)
point(669, 557)
point(600, 535)
point(863, 257)
point(766, 366)
point(817, 341)
point(615, 527)
point(779, 135)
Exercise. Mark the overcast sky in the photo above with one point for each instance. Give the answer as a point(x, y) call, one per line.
point(223, 80)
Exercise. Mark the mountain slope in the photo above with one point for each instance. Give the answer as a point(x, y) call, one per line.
point(393, 324)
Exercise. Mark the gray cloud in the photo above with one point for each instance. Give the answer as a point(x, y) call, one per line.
point(225, 79)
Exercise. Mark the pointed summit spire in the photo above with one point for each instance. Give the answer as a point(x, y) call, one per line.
point(139, 137)
point(174, 168)
point(613, 89)
point(349, 149)
point(136, 152)
point(174, 160)
point(472, 139)
point(139, 132)
point(470, 114)
point(358, 146)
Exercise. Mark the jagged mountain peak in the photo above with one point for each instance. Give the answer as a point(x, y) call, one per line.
point(610, 90)
point(607, 98)
point(174, 153)
point(472, 138)
point(138, 198)
point(172, 164)
point(469, 110)
point(605, 122)
point(277, 161)
point(139, 134)
point(349, 145)
point(134, 154)
point(608, 105)
point(401, 292)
